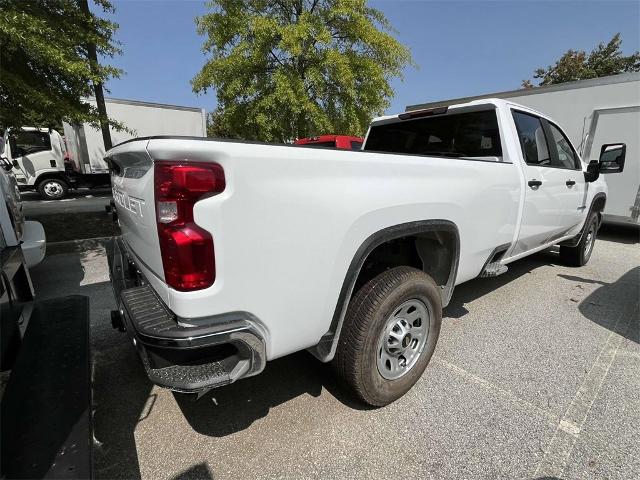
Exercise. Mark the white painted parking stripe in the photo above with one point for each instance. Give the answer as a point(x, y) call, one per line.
point(568, 430)
point(553, 419)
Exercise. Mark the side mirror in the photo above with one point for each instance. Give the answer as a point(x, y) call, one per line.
point(612, 156)
point(593, 171)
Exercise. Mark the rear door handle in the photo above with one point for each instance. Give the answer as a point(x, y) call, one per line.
point(571, 183)
point(534, 183)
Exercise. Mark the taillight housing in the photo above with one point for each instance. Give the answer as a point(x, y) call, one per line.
point(187, 252)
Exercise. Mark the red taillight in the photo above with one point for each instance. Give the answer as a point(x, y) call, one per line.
point(187, 250)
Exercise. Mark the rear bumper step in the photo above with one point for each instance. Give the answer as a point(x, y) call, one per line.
point(219, 351)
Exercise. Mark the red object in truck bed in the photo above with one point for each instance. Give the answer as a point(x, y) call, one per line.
point(343, 142)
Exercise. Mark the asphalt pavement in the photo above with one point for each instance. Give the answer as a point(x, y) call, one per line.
point(81, 215)
point(535, 375)
point(77, 201)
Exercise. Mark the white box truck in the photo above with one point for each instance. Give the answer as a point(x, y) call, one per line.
point(43, 162)
point(592, 112)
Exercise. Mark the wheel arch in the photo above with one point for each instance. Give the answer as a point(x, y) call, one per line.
point(424, 231)
point(597, 205)
point(49, 175)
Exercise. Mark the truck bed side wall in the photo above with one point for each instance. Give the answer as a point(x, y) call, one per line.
point(291, 219)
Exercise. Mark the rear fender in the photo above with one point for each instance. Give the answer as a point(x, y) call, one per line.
point(326, 348)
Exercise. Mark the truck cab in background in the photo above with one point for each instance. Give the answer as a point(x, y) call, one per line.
point(37, 155)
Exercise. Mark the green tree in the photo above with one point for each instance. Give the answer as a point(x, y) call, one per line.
point(285, 69)
point(45, 67)
point(605, 59)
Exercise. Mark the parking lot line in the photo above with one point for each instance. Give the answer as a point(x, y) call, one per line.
point(568, 430)
point(551, 418)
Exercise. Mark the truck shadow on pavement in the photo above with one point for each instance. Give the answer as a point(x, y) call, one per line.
point(199, 471)
point(233, 408)
point(474, 289)
point(606, 304)
point(123, 397)
point(628, 234)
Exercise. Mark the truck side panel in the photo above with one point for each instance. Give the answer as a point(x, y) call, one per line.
point(299, 216)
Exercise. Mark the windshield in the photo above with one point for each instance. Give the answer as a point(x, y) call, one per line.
point(31, 141)
point(471, 134)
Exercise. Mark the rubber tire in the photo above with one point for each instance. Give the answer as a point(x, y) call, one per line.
point(63, 186)
point(355, 360)
point(576, 256)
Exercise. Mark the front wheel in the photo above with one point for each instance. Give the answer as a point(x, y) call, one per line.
point(389, 335)
point(580, 254)
point(52, 188)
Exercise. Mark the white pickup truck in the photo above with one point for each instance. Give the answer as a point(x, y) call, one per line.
point(236, 253)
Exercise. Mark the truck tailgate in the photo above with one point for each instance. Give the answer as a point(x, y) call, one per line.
point(133, 193)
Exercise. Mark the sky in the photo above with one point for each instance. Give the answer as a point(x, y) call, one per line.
point(461, 48)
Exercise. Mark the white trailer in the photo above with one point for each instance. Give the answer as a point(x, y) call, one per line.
point(592, 112)
point(42, 161)
point(86, 146)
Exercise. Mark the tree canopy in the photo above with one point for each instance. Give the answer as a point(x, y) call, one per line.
point(45, 69)
point(605, 59)
point(285, 69)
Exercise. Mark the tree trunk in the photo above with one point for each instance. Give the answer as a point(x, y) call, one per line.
point(97, 86)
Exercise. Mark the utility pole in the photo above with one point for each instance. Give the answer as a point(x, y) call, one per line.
point(97, 86)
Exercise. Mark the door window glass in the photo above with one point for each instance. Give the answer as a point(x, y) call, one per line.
point(532, 139)
point(567, 157)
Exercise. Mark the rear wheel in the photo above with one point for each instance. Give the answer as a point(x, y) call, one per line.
point(580, 254)
point(389, 335)
point(52, 188)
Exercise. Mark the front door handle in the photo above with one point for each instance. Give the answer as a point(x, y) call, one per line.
point(534, 183)
point(571, 183)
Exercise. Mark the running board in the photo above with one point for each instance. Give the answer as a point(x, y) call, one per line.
point(493, 270)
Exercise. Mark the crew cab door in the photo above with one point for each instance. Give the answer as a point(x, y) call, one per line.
point(554, 183)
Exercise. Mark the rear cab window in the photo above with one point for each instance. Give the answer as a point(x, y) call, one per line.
point(470, 135)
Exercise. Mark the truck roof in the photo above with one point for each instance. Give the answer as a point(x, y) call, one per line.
point(479, 104)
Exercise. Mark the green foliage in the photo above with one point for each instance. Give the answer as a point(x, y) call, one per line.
point(605, 59)
point(44, 65)
point(285, 69)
